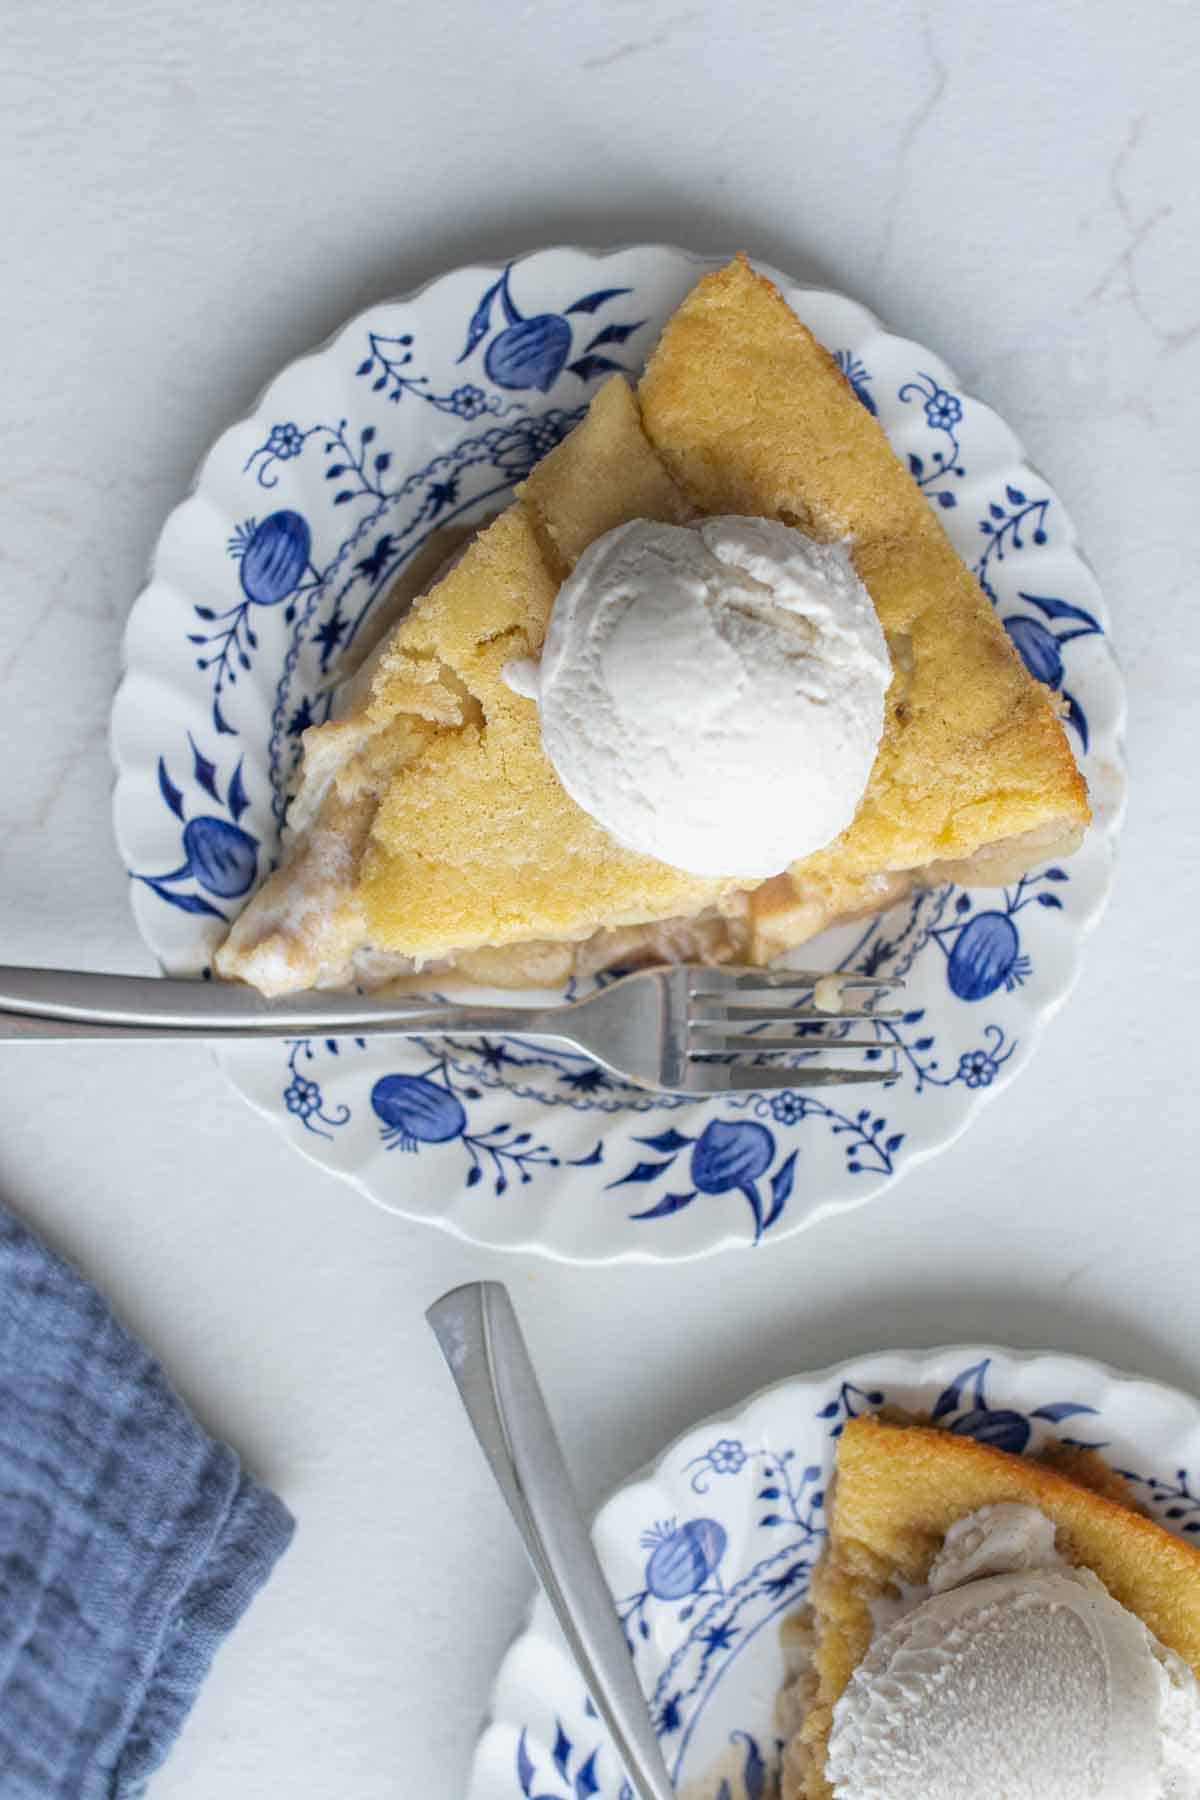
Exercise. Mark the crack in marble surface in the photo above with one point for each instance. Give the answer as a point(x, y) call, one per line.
point(638, 46)
point(918, 119)
point(1139, 227)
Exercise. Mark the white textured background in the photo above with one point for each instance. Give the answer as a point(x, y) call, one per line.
point(191, 196)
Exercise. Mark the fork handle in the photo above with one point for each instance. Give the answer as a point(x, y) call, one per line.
point(58, 1005)
point(21, 1028)
point(482, 1343)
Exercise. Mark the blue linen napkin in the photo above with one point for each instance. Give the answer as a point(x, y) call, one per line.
point(130, 1542)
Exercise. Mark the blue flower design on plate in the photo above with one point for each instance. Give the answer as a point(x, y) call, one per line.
point(964, 1409)
point(726, 1457)
point(943, 414)
point(428, 1109)
point(848, 1403)
point(303, 1097)
point(983, 946)
point(533, 352)
point(728, 1156)
point(683, 1557)
point(858, 376)
point(573, 1773)
point(709, 1594)
point(739, 1155)
point(575, 1778)
point(1174, 1501)
point(219, 855)
point(285, 441)
point(387, 359)
point(355, 488)
point(1040, 648)
point(272, 557)
point(328, 605)
point(1004, 528)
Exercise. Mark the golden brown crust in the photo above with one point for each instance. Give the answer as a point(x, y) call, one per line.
point(523, 862)
point(475, 846)
point(751, 414)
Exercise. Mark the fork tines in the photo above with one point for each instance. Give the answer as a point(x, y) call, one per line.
point(727, 996)
point(717, 979)
point(727, 1018)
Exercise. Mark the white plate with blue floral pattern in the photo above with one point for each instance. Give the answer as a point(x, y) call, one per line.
point(420, 414)
point(710, 1549)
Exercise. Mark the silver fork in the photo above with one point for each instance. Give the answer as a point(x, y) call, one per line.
point(683, 1029)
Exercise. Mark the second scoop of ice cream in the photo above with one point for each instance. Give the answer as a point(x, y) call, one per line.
point(713, 695)
point(1026, 1684)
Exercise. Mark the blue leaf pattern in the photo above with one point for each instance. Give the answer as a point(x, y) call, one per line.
point(237, 793)
point(481, 318)
point(1061, 609)
point(588, 367)
point(665, 1140)
point(946, 1402)
point(782, 1183)
point(670, 1203)
point(205, 771)
point(593, 302)
point(643, 1171)
point(169, 791)
point(613, 334)
point(188, 903)
point(985, 947)
point(525, 1768)
point(696, 1645)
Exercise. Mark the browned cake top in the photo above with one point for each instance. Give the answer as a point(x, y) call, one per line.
point(900, 1490)
point(463, 836)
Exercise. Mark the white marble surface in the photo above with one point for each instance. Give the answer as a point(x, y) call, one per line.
point(191, 196)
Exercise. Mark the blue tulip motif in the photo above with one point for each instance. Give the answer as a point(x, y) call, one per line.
point(983, 951)
point(986, 956)
point(273, 557)
point(732, 1156)
point(533, 352)
point(220, 856)
point(728, 1156)
point(682, 1557)
point(962, 1407)
point(1000, 1430)
point(1040, 648)
point(415, 1110)
point(683, 1562)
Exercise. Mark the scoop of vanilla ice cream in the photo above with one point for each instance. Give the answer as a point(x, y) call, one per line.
point(997, 1540)
point(713, 694)
point(1025, 1682)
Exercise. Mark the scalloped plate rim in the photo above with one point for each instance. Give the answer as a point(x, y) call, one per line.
point(1106, 831)
point(917, 1366)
